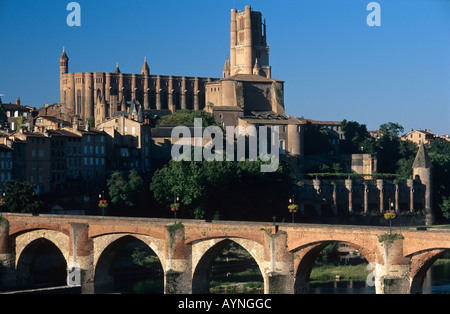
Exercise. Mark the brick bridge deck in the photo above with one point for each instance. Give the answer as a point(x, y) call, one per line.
point(285, 253)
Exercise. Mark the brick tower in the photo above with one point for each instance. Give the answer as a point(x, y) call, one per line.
point(248, 43)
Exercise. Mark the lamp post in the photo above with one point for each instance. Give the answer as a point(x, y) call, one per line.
point(293, 208)
point(102, 203)
point(175, 206)
point(389, 215)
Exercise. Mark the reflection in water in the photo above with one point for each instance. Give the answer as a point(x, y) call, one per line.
point(341, 287)
point(437, 280)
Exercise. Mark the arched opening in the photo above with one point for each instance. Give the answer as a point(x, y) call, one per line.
point(41, 265)
point(129, 266)
point(227, 268)
point(433, 276)
point(333, 267)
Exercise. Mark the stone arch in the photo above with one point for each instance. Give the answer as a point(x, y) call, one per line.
point(59, 239)
point(41, 262)
point(420, 264)
point(204, 252)
point(106, 249)
point(306, 255)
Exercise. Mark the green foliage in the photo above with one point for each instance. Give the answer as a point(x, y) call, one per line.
point(186, 117)
point(126, 193)
point(143, 258)
point(176, 226)
point(3, 117)
point(439, 153)
point(20, 197)
point(390, 237)
point(317, 139)
point(19, 122)
point(391, 129)
point(231, 190)
point(385, 176)
point(445, 207)
point(355, 135)
point(91, 122)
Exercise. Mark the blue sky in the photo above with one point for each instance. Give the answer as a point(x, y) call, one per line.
point(334, 65)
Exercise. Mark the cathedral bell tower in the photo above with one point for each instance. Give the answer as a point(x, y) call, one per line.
point(248, 43)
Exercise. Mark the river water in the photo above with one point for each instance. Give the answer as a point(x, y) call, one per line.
point(437, 281)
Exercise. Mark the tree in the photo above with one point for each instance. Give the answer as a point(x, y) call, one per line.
point(355, 135)
point(126, 193)
point(230, 190)
point(445, 207)
point(391, 129)
point(186, 117)
point(91, 122)
point(317, 139)
point(439, 153)
point(3, 117)
point(20, 197)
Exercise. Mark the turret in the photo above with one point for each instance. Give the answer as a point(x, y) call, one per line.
point(145, 70)
point(117, 70)
point(256, 68)
point(226, 69)
point(423, 172)
point(63, 63)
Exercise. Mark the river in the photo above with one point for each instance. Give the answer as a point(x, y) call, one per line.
point(437, 281)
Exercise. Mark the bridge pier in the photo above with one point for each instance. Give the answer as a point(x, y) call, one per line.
point(178, 273)
point(392, 271)
point(279, 278)
point(81, 259)
point(7, 267)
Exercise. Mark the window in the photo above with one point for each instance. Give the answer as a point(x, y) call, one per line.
point(41, 153)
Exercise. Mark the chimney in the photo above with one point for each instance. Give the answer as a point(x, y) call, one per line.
point(18, 101)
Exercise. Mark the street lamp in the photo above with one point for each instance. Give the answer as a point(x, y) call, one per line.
point(175, 206)
point(389, 215)
point(293, 208)
point(102, 203)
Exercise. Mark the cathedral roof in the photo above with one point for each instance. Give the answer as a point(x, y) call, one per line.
point(251, 78)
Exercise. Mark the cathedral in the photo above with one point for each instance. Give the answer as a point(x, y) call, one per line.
point(102, 94)
point(246, 85)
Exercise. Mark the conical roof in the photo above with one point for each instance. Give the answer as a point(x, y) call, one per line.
point(145, 69)
point(64, 55)
point(422, 160)
point(117, 70)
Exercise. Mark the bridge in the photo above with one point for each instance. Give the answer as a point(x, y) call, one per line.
point(285, 253)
